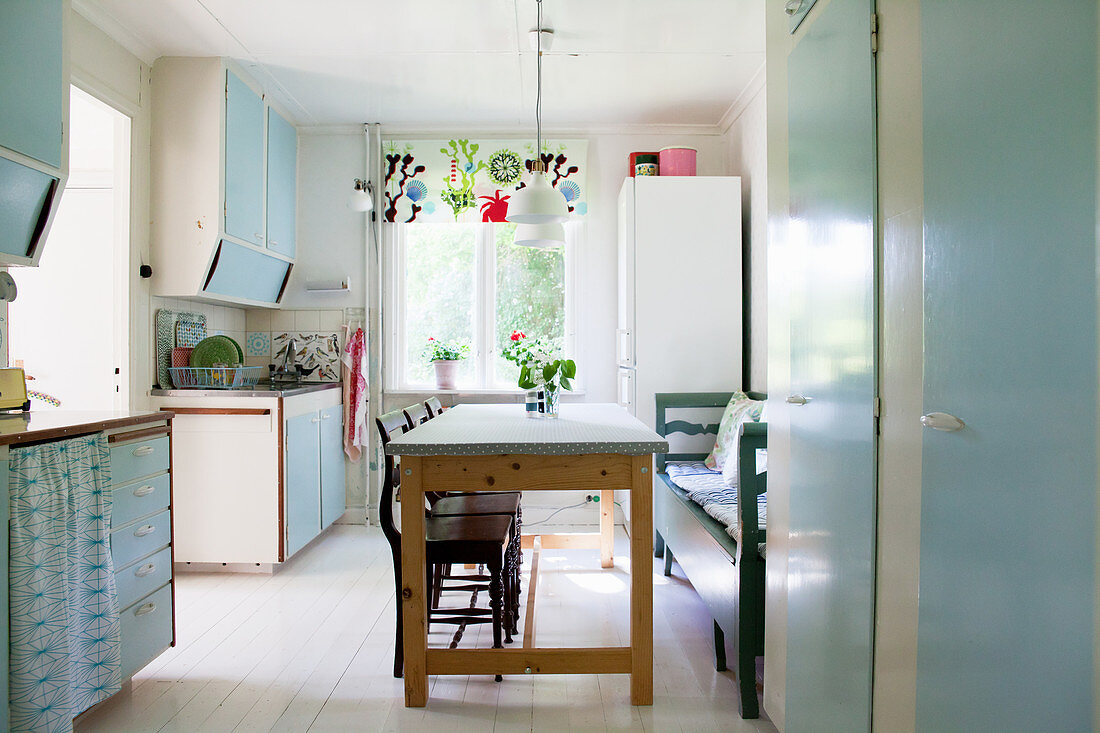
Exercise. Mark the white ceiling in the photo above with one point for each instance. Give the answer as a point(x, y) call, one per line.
point(437, 63)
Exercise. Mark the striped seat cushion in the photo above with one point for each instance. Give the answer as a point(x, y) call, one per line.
point(709, 490)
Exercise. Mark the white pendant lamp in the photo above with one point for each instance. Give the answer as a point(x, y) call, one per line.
point(542, 236)
point(538, 202)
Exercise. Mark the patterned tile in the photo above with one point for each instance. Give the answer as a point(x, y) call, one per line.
point(258, 343)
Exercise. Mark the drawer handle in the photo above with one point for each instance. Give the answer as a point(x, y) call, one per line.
point(147, 569)
point(143, 450)
point(146, 609)
point(142, 531)
point(144, 490)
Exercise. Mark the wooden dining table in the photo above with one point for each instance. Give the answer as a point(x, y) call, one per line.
point(589, 447)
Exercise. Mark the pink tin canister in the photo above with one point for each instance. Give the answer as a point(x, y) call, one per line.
point(678, 161)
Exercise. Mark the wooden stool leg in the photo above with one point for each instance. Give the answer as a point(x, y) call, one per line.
point(668, 560)
point(658, 545)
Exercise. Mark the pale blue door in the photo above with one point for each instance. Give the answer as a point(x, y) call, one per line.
point(333, 480)
point(830, 585)
point(25, 199)
point(32, 85)
point(1009, 501)
point(303, 485)
point(244, 161)
point(282, 184)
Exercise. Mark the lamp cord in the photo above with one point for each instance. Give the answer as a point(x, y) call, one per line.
point(538, 94)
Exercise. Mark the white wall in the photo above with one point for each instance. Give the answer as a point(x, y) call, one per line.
point(746, 139)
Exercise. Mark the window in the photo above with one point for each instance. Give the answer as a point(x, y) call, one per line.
point(469, 283)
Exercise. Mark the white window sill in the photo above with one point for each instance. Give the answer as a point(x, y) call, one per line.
point(517, 393)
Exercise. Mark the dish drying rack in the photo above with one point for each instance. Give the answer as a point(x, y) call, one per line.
point(227, 377)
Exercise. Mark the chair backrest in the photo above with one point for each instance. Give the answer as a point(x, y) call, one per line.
point(433, 406)
point(390, 426)
point(416, 414)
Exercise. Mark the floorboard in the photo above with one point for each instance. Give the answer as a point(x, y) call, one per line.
point(310, 648)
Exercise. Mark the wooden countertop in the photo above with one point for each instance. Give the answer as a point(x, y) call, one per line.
point(32, 427)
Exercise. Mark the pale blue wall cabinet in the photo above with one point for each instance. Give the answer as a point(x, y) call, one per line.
point(282, 179)
point(333, 478)
point(224, 185)
point(32, 82)
point(303, 481)
point(244, 161)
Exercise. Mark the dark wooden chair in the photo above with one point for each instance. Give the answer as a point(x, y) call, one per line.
point(435, 407)
point(417, 414)
point(477, 539)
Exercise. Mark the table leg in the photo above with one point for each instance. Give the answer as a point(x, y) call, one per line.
point(607, 528)
point(641, 581)
point(413, 590)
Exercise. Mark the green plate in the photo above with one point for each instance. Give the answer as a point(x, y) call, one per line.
point(216, 350)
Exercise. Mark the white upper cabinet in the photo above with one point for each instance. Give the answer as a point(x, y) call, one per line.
point(34, 91)
point(224, 168)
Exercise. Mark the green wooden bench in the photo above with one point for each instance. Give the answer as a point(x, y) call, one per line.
point(727, 575)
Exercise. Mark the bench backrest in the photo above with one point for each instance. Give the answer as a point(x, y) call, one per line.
point(689, 420)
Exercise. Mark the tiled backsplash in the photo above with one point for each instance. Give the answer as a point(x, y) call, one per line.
point(318, 336)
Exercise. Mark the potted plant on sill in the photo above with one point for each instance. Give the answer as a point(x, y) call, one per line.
point(541, 369)
point(445, 356)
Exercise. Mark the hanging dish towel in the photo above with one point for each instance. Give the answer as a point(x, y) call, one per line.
point(354, 373)
point(65, 654)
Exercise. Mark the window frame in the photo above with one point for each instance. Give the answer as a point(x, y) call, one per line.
point(482, 351)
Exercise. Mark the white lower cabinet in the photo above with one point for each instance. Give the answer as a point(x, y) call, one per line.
point(250, 474)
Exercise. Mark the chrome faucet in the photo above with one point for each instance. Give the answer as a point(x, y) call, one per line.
point(289, 371)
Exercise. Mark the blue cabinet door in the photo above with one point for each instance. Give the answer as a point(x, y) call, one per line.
point(26, 196)
point(333, 479)
point(1008, 521)
point(282, 184)
point(832, 465)
point(244, 161)
point(32, 82)
point(303, 481)
point(242, 272)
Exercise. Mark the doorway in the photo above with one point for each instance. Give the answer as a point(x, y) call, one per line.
point(68, 326)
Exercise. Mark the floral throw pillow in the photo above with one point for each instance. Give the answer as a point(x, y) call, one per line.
point(724, 455)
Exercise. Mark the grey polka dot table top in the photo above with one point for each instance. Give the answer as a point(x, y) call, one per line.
point(481, 430)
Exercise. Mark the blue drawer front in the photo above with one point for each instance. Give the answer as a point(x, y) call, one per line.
point(131, 461)
point(25, 196)
point(141, 538)
point(146, 630)
point(139, 499)
point(143, 577)
point(241, 272)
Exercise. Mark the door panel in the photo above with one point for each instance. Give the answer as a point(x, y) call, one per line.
point(303, 485)
point(1008, 503)
point(32, 84)
point(333, 478)
point(27, 196)
point(242, 272)
point(282, 184)
point(244, 162)
point(832, 502)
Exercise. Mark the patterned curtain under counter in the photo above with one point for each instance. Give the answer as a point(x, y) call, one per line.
point(65, 648)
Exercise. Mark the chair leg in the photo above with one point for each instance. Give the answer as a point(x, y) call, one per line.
point(399, 637)
point(658, 545)
point(668, 561)
point(719, 648)
point(496, 602)
point(437, 587)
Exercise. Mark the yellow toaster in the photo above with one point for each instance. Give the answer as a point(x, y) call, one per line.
point(13, 389)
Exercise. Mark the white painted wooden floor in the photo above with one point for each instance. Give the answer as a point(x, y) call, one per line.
point(310, 649)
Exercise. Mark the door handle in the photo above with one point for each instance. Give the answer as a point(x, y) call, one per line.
point(942, 421)
point(315, 419)
point(793, 6)
point(259, 236)
point(326, 416)
point(797, 399)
